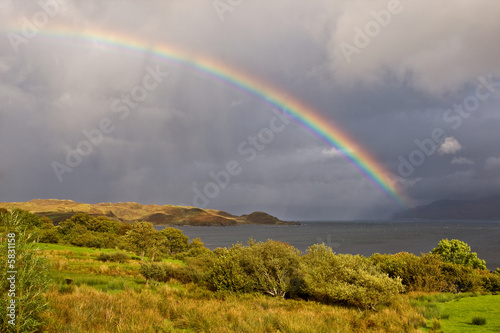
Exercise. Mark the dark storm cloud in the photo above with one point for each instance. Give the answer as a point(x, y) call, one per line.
point(401, 84)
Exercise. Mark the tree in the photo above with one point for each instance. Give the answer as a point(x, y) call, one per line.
point(124, 228)
point(24, 289)
point(81, 219)
point(104, 224)
point(197, 248)
point(46, 222)
point(174, 241)
point(143, 237)
point(66, 227)
point(458, 252)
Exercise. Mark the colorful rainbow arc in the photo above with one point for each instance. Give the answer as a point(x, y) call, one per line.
point(302, 113)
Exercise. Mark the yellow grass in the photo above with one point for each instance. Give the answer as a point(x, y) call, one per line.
point(166, 309)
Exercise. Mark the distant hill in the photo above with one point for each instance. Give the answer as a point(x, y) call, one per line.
point(60, 210)
point(482, 209)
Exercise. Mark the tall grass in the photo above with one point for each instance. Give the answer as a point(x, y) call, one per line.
point(167, 309)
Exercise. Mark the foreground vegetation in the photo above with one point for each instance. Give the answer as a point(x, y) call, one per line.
point(132, 278)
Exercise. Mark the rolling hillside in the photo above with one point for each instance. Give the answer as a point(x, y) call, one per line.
point(482, 209)
point(59, 210)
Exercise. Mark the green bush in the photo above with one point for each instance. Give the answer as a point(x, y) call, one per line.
point(195, 249)
point(417, 273)
point(272, 268)
point(104, 257)
point(457, 252)
point(199, 269)
point(49, 236)
point(114, 257)
point(227, 273)
point(153, 271)
point(93, 241)
point(429, 273)
point(161, 272)
point(347, 279)
point(120, 257)
point(490, 281)
point(461, 278)
point(479, 321)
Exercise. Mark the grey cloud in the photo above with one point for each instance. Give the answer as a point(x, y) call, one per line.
point(394, 92)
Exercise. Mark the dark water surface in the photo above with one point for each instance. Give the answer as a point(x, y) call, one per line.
point(365, 238)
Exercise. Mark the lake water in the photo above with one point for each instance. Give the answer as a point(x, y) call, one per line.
point(363, 237)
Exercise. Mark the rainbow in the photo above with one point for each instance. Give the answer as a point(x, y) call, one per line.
point(327, 130)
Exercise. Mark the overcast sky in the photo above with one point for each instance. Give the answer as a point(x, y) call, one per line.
point(414, 82)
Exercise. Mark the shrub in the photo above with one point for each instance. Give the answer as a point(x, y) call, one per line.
point(273, 267)
point(347, 279)
point(227, 273)
point(93, 241)
point(49, 236)
point(161, 272)
point(153, 271)
point(479, 321)
point(120, 257)
point(415, 273)
point(461, 278)
point(198, 269)
point(104, 257)
point(429, 273)
point(490, 281)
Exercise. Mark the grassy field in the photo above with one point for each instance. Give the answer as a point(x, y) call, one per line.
point(446, 312)
point(90, 252)
point(458, 314)
point(78, 266)
point(75, 249)
point(88, 295)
